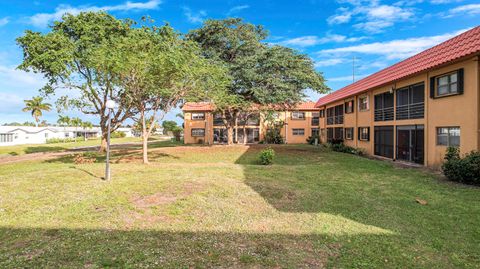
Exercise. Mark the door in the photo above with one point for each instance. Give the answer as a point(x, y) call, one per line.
point(383, 141)
point(410, 143)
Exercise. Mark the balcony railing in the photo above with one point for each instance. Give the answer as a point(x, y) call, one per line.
point(410, 111)
point(384, 114)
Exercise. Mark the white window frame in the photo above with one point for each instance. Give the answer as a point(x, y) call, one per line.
point(347, 137)
point(295, 115)
point(362, 138)
point(366, 97)
point(195, 116)
point(194, 134)
point(448, 85)
point(450, 130)
point(298, 131)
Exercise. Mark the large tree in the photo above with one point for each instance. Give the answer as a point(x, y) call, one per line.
point(78, 57)
point(261, 74)
point(159, 70)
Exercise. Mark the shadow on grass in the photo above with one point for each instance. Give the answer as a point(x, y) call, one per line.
point(38, 149)
point(101, 248)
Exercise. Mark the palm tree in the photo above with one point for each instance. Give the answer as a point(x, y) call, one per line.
point(64, 121)
point(76, 122)
point(36, 106)
point(85, 125)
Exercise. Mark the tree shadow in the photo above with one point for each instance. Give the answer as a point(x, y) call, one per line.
point(106, 248)
point(43, 149)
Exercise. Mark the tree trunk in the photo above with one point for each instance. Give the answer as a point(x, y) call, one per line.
point(230, 135)
point(145, 139)
point(103, 144)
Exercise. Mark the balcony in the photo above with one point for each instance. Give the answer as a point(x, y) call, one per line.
point(410, 111)
point(384, 114)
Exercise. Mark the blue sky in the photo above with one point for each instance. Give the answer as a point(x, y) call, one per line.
point(332, 32)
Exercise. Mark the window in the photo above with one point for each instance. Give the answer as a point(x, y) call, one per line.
point(448, 136)
point(315, 132)
point(329, 134)
point(338, 133)
point(5, 138)
point(198, 116)
point(335, 115)
point(364, 133)
point(322, 113)
point(46, 135)
point(298, 131)
point(384, 106)
point(363, 103)
point(298, 115)
point(315, 118)
point(447, 84)
point(349, 107)
point(196, 132)
point(217, 119)
point(349, 133)
point(410, 102)
point(67, 134)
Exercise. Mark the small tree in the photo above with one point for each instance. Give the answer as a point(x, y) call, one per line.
point(36, 106)
point(86, 125)
point(168, 126)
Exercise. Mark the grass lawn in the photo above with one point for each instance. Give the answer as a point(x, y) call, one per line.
point(215, 207)
point(55, 147)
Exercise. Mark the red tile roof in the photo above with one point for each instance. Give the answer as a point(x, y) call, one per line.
point(200, 106)
point(463, 45)
point(205, 106)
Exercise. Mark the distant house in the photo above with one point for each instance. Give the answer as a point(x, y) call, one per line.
point(204, 126)
point(17, 135)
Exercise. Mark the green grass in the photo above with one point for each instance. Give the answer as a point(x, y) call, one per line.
point(55, 147)
point(207, 207)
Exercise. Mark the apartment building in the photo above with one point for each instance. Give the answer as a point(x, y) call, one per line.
point(413, 110)
point(204, 126)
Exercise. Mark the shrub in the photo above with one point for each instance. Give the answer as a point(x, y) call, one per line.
point(59, 140)
point(266, 156)
point(118, 134)
point(340, 147)
point(85, 158)
point(465, 170)
point(273, 136)
point(311, 139)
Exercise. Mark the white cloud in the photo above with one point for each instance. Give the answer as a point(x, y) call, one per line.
point(371, 16)
point(43, 19)
point(308, 41)
point(394, 49)
point(237, 9)
point(194, 17)
point(4, 21)
point(329, 62)
point(471, 9)
point(437, 2)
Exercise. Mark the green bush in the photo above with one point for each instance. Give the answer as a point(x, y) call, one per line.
point(340, 147)
point(273, 136)
point(266, 156)
point(118, 134)
point(311, 139)
point(465, 170)
point(59, 140)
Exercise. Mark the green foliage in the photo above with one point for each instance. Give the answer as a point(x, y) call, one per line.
point(168, 126)
point(465, 170)
point(60, 140)
point(266, 156)
point(63, 120)
point(340, 147)
point(35, 106)
point(80, 54)
point(273, 128)
point(177, 132)
point(118, 134)
point(260, 74)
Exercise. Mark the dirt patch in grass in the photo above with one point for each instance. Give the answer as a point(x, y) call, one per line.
point(146, 207)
